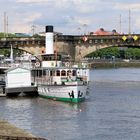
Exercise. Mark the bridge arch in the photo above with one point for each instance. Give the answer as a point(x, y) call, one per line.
point(119, 52)
point(20, 53)
point(83, 51)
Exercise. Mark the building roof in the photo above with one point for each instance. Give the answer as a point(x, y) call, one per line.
point(14, 68)
point(101, 31)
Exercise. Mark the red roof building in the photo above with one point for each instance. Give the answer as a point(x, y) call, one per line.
point(101, 31)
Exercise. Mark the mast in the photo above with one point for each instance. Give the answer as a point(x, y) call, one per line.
point(11, 54)
point(33, 29)
point(120, 24)
point(129, 21)
point(4, 24)
point(7, 26)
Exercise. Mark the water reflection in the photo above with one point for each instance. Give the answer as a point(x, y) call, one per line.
point(113, 75)
point(41, 116)
point(110, 111)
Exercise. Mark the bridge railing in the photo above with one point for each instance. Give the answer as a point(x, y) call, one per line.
point(97, 39)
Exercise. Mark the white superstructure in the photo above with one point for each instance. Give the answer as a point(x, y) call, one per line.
point(60, 80)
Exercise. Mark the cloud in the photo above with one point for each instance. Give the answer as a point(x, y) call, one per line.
point(23, 24)
point(30, 1)
point(20, 27)
point(77, 20)
point(85, 6)
point(68, 15)
point(82, 6)
point(126, 6)
point(32, 17)
point(79, 6)
point(137, 24)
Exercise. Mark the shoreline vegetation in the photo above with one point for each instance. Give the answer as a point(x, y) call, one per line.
point(115, 57)
point(109, 64)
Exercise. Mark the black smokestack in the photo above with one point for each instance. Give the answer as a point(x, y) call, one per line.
point(49, 28)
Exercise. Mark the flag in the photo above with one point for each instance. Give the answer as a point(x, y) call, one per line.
point(85, 38)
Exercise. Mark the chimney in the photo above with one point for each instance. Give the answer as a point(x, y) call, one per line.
point(49, 40)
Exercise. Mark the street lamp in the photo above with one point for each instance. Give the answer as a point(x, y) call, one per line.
point(85, 26)
point(79, 30)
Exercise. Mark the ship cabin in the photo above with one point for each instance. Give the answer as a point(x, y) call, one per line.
point(49, 60)
point(55, 70)
point(57, 76)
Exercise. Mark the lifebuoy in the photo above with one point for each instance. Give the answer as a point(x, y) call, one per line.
point(67, 64)
point(37, 64)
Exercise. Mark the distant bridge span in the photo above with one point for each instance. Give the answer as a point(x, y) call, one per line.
point(94, 43)
point(30, 45)
point(75, 46)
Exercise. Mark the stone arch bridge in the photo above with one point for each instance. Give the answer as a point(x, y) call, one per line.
point(75, 46)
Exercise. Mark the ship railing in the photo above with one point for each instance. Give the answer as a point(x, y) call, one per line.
point(42, 80)
point(5, 65)
point(75, 64)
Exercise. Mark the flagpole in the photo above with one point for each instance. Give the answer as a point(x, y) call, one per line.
point(11, 54)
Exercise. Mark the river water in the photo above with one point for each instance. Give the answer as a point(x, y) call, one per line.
point(111, 110)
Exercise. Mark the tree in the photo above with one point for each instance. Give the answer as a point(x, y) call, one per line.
point(106, 53)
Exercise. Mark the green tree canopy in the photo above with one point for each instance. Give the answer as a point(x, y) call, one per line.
point(133, 53)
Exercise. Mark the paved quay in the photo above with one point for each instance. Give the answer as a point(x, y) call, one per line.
point(11, 132)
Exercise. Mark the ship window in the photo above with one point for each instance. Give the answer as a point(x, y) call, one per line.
point(52, 73)
point(74, 73)
point(58, 73)
point(68, 72)
point(63, 73)
point(51, 57)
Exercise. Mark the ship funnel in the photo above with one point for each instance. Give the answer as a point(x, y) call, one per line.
point(49, 40)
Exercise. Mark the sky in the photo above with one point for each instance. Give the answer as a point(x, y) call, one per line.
point(70, 16)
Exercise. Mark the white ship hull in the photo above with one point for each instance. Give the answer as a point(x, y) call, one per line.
point(71, 93)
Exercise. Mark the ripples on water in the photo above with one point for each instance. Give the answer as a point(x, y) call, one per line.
point(110, 112)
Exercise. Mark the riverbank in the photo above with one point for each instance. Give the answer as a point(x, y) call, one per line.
point(115, 64)
point(10, 131)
